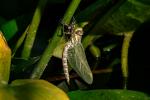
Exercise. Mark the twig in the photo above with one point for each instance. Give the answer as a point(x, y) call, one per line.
point(74, 75)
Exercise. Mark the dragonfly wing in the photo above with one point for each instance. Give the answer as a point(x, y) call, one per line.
point(77, 60)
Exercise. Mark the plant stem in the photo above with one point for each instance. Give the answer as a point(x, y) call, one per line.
point(19, 42)
point(33, 29)
point(38, 71)
point(124, 56)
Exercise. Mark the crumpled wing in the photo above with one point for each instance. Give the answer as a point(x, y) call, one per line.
point(77, 60)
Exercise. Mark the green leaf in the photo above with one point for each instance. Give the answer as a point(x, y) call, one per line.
point(126, 18)
point(9, 29)
point(107, 95)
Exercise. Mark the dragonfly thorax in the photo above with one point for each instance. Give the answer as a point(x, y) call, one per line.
point(76, 36)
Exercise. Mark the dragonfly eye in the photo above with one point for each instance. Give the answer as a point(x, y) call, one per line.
point(66, 28)
point(69, 28)
point(79, 31)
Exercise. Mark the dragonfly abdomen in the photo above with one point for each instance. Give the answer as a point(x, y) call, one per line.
point(65, 61)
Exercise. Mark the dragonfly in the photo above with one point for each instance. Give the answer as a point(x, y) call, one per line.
point(74, 55)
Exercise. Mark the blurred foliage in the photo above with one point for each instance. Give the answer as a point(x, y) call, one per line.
point(107, 23)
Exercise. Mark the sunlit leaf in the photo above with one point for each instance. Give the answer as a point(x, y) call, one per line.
point(5, 59)
point(31, 90)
